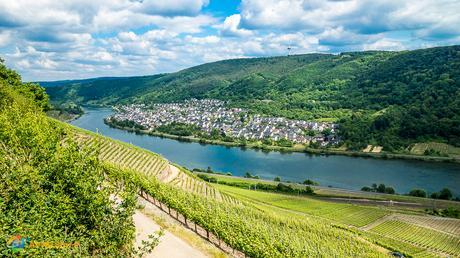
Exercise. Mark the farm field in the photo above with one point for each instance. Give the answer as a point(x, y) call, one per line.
point(288, 207)
point(322, 191)
point(348, 214)
point(127, 156)
point(447, 225)
point(442, 148)
point(420, 236)
point(439, 235)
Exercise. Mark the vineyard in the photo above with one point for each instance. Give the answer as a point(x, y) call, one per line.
point(256, 233)
point(420, 236)
point(150, 164)
point(448, 225)
point(442, 232)
point(343, 213)
point(249, 220)
point(126, 156)
point(442, 148)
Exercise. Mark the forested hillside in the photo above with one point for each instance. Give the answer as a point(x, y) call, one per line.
point(391, 99)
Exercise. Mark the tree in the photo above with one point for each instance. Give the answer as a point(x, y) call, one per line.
point(366, 189)
point(381, 188)
point(374, 187)
point(389, 190)
point(327, 132)
point(309, 182)
point(445, 194)
point(277, 179)
point(417, 193)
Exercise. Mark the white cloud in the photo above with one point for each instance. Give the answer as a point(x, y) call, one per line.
point(48, 39)
point(362, 16)
point(5, 38)
point(170, 7)
point(230, 27)
point(384, 44)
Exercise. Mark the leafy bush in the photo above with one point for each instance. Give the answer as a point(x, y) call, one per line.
point(418, 193)
point(53, 191)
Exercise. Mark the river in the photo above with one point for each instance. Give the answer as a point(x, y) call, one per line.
point(337, 171)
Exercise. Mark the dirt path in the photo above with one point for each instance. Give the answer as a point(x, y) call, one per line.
point(170, 246)
point(173, 173)
point(378, 222)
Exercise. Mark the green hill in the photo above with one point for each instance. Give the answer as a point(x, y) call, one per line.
point(54, 196)
point(391, 99)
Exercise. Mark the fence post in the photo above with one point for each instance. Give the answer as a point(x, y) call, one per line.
point(169, 210)
point(195, 227)
point(207, 233)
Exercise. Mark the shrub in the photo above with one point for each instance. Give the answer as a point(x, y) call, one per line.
point(417, 193)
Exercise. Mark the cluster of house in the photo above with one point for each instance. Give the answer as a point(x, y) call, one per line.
point(211, 114)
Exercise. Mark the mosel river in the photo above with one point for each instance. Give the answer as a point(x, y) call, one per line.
point(336, 171)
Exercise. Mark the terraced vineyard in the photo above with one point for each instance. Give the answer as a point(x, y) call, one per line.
point(415, 235)
point(343, 213)
point(442, 148)
point(448, 225)
point(126, 156)
point(150, 164)
point(420, 236)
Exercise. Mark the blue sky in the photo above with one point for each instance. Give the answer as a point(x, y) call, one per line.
point(70, 39)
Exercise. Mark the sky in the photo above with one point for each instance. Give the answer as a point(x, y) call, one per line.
point(74, 39)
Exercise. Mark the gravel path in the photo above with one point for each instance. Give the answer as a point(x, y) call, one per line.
point(170, 246)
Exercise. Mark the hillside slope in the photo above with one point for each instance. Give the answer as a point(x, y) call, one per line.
point(382, 98)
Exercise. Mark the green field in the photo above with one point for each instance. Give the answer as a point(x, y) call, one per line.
point(413, 235)
point(343, 213)
point(420, 236)
point(321, 191)
point(442, 148)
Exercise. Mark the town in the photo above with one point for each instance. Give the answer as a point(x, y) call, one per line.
point(211, 114)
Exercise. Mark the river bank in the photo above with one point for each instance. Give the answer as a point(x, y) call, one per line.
point(345, 195)
point(295, 148)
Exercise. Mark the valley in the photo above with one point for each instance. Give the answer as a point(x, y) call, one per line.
point(218, 129)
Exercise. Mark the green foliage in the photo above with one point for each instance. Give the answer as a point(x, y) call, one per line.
point(421, 236)
point(53, 191)
point(309, 182)
point(32, 91)
point(252, 231)
point(206, 178)
point(249, 175)
point(444, 194)
point(180, 129)
point(381, 188)
point(124, 124)
point(390, 99)
point(449, 212)
point(418, 193)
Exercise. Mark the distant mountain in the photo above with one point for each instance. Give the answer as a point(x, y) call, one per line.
point(383, 98)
